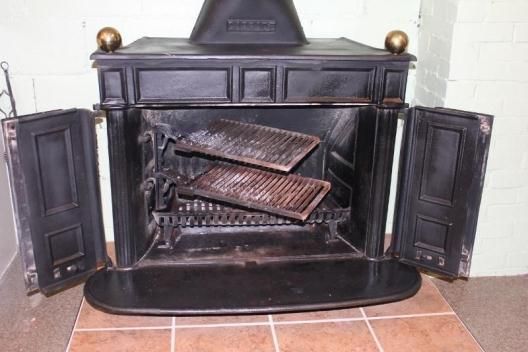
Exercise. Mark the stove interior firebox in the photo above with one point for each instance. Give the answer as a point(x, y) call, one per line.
point(250, 172)
point(252, 184)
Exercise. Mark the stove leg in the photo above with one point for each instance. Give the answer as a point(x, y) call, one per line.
point(331, 235)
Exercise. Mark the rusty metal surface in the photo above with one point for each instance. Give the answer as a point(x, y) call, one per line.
point(268, 147)
point(199, 213)
point(291, 196)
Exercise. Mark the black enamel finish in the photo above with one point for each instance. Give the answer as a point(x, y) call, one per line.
point(228, 79)
point(268, 288)
point(261, 22)
point(52, 162)
point(378, 184)
point(172, 71)
point(126, 175)
point(440, 187)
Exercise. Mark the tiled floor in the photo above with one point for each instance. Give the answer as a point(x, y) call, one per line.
point(424, 322)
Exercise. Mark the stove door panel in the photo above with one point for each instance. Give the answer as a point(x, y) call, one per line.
point(442, 169)
point(55, 191)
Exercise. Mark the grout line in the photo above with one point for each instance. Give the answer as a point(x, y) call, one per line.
point(173, 335)
point(456, 315)
point(318, 321)
point(273, 333)
point(404, 316)
point(220, 325)
point(378, 344)
point(126, 328)
point(75, 325)
point(175, 327)
point(34, 94)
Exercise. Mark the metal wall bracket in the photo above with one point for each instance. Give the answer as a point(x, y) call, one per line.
point(8, 92)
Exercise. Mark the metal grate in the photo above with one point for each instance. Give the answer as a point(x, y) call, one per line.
point(292, 196)
point(198, 213)
point(268, 147)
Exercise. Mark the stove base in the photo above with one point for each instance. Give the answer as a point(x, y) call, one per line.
point(251, 288)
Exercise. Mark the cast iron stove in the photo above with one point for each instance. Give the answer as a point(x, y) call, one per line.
point(250, 173)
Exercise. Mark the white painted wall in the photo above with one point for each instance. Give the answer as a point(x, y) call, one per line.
point(474, 56)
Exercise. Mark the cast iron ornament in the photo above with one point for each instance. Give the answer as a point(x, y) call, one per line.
point(396, 41)
point(109, 39)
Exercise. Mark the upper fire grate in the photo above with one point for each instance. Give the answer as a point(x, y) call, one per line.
point(268, 147)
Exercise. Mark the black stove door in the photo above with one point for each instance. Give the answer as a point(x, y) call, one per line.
point(442, 167)
point(54, 183)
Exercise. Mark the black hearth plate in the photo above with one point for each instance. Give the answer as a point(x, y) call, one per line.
point(251, 288)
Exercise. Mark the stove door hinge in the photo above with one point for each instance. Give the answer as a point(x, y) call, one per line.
point(485, 125)
point(463, 268)
point(10, 134)
point(31, 276)
point(31, 280)
point(402, 115)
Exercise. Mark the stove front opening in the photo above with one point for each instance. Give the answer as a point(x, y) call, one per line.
point(322, 153)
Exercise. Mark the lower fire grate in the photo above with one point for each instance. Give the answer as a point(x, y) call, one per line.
point(198, 213)
point(291, 196)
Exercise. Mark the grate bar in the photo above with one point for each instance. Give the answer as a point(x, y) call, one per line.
point(198, 213)
point(263, 146)
point(291, 195)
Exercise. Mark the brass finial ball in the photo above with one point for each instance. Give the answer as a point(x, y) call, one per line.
point(109, 39)
point(396, 42)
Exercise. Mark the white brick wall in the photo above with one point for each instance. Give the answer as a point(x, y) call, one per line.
point(434, 47)
point(488, 72)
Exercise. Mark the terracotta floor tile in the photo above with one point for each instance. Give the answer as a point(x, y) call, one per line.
point(325, 337)
point(91, 318)
point(122, 340)
point(239, 339)
point(427, 300)
point(431, 334)
point(227, 319)
point(319, 315)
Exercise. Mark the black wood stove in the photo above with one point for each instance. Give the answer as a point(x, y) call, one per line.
point(250, 172)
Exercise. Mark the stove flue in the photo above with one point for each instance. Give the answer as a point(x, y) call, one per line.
point(248, 22)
